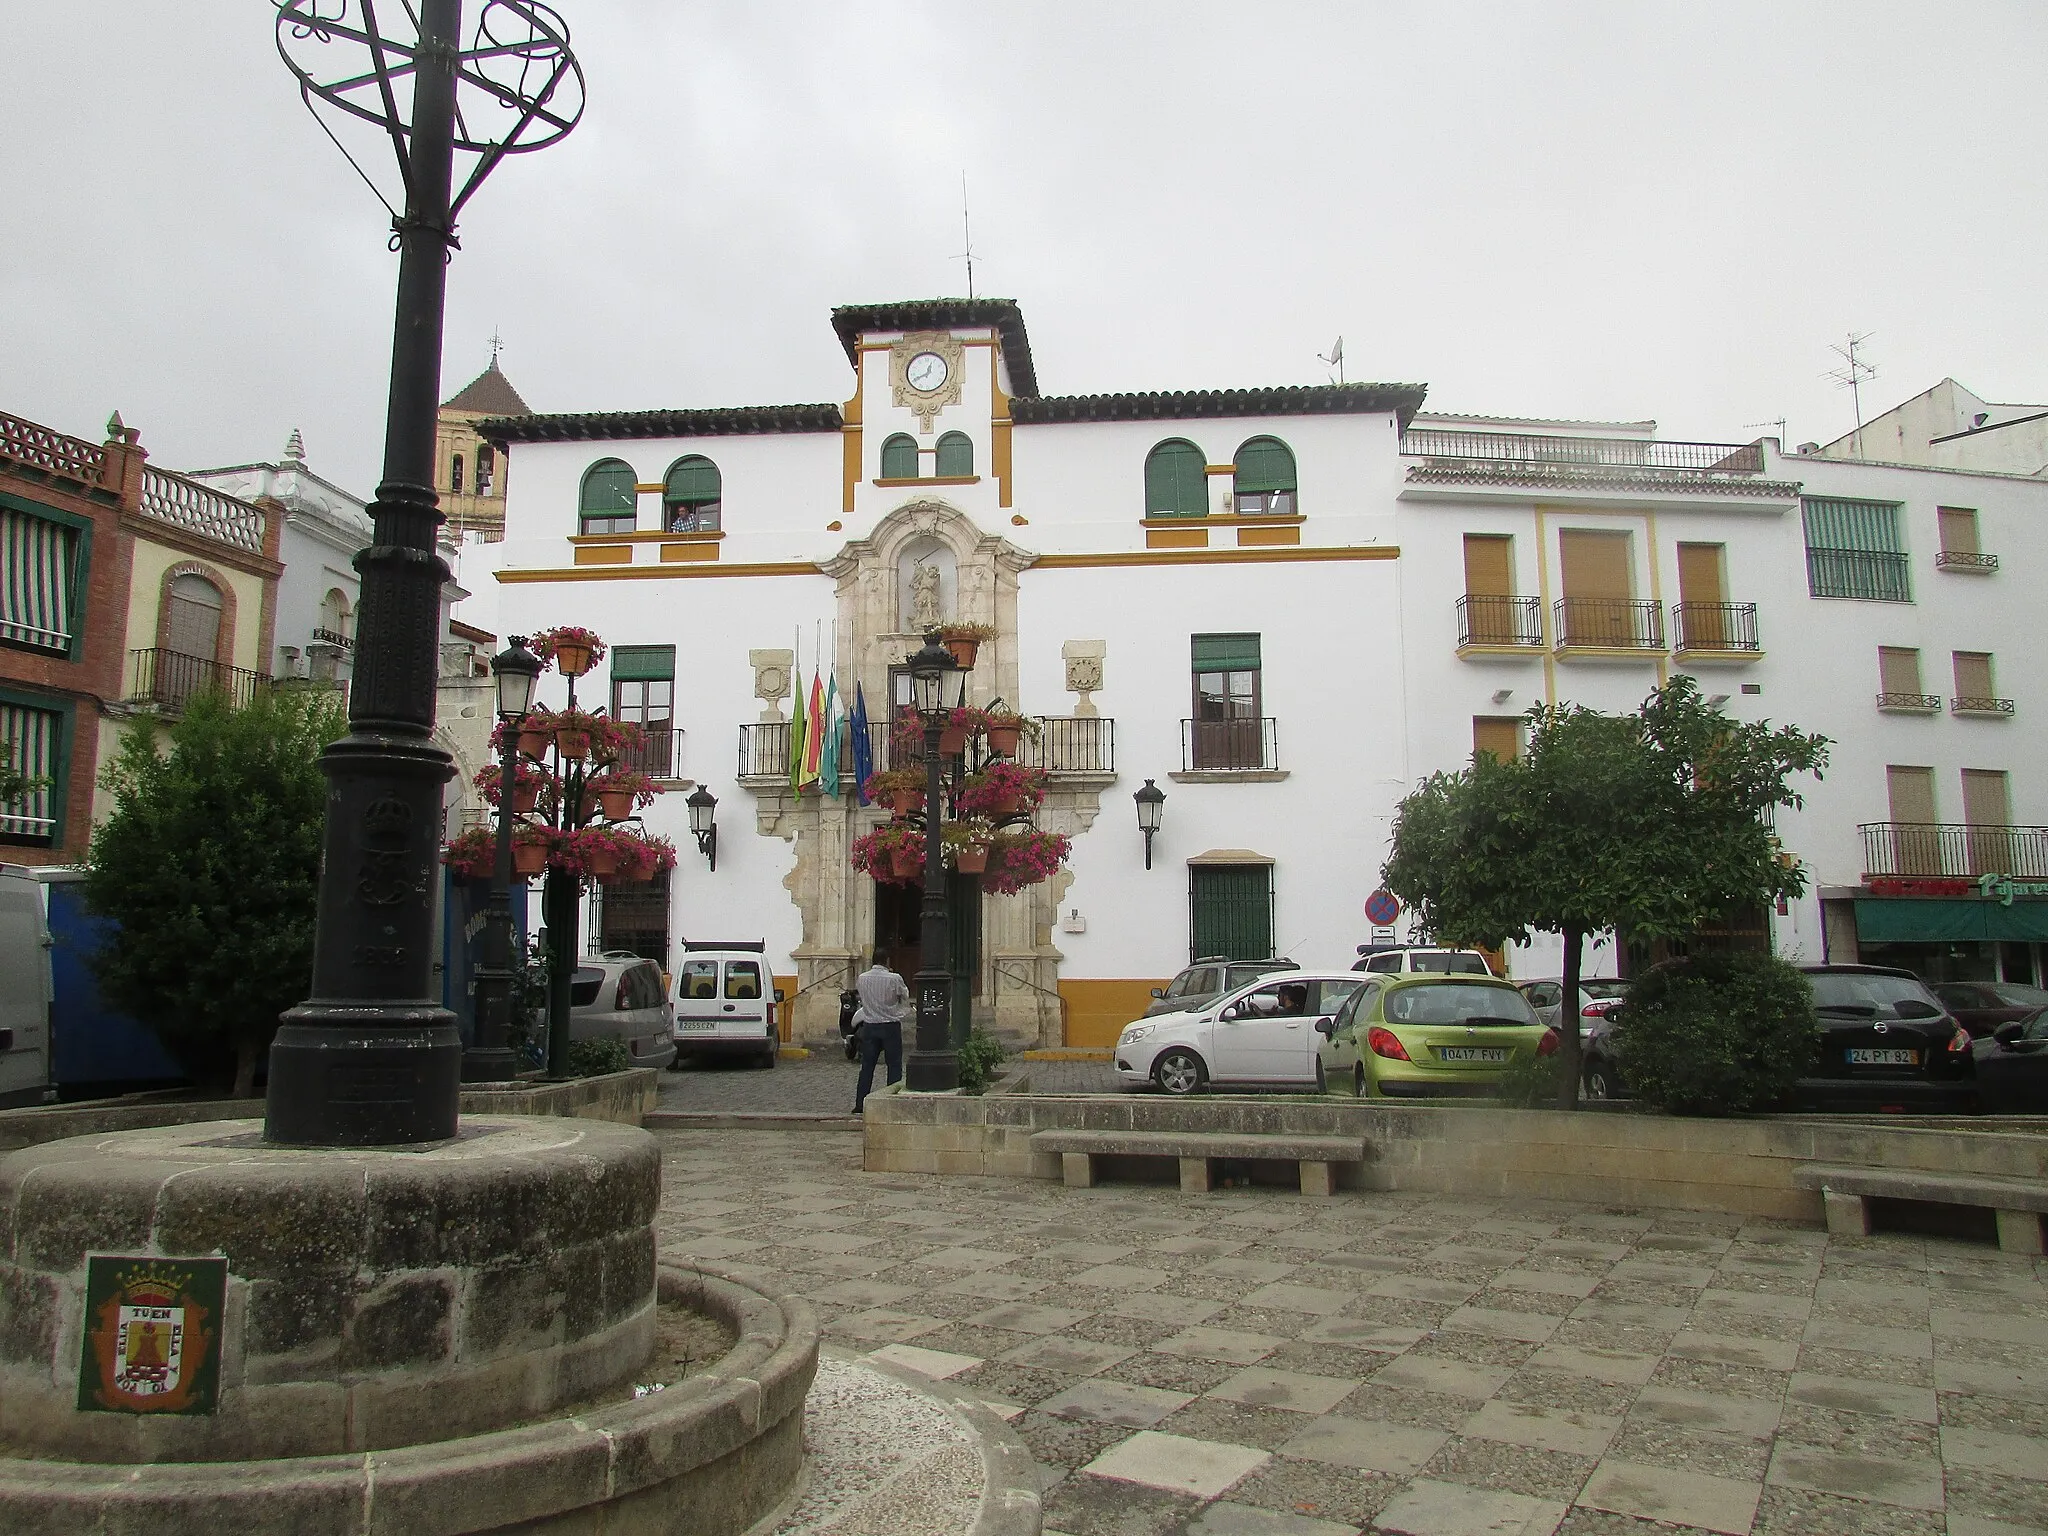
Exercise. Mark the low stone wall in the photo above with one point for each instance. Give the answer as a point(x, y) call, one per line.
point(624, 1098)
point(1743, 1167)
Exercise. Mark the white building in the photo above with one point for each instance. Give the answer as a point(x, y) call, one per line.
point(1283, 605)
point(1949, 427)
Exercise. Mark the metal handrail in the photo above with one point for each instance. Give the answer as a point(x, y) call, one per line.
point(1947, 848)
point(1070, 744)
point(659, 755)
point(1920, 701)
point(334, 637)
point(1963, 705)
point(1610, 623)
point(1584, 452)
point(1714, 626)
point(1247, 745)
point(1485, 619)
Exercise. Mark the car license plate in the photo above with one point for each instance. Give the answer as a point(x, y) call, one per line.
point(691, 1025)
point(1472, 1053)
point(1863, 1056)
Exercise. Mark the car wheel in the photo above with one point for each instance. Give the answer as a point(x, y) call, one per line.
point(1179, 1072)
point(770, 1056)
point(1358, 1080)
point(1601, 1082)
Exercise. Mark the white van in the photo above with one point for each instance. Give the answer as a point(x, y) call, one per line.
point(724, 1002)
point(25, 1000)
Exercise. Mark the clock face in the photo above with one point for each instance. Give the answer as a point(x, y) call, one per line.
point(927, 372)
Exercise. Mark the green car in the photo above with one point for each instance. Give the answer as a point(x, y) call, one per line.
point(1430, 1036)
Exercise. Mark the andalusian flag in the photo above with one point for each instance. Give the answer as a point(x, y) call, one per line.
point(814, 735)
point(798, 734)
point(828, 762)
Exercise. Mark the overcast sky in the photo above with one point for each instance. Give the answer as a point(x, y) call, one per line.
point(1600, 210)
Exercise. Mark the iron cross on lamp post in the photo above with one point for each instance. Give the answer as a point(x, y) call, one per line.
point(371, 1057)
point(938, 687)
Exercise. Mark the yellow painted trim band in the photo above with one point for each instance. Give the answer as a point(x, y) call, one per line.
point(1228, 520)
point(1210, 557)
point(1219, 469)
point(1254, 536)
point(659, 572)
point(897, 481)
point(670, 553)
point(648, 536)
point(651, 488)
point(606, 554)
point(1176, 538)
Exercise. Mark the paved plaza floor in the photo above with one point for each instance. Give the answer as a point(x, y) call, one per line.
point(822, 1083)
point(1252, 1363)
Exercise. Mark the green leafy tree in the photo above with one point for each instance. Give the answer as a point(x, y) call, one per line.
point(1649, 824)
point(14, 784)
point(1716, 1034)
point(210, 864)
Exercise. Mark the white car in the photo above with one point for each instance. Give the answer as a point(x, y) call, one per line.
point(725, 1003)
point(1262, 1034)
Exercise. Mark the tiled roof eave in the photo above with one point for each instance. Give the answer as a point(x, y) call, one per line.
point(1695, 482)
point(621, 426)
point(1403, 400)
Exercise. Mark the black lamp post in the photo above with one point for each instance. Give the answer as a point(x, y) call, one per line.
point(703, 823)
point(937, 688)
point(490, 1058)
point(371, 1057)
point(1151, 802)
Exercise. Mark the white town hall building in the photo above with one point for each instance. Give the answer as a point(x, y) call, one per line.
point(1284, 606)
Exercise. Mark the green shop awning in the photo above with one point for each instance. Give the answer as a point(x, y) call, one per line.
point(1937, 921)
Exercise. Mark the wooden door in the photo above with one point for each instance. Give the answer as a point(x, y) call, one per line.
point(1599, 584)
point(1489, 589)
point(1702, 596)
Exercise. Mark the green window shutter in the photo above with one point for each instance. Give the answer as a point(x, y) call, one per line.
point(899, 458)
point(32, 741)
point(36, 581)
point(691, 480)
point(1871, 526)
point(1226, 653)
point(956, 454)
point(608, 488)
point(1230, 911)
point(1855, 549)
point(1176, 481)
point(1264, 464)
point(643, 663)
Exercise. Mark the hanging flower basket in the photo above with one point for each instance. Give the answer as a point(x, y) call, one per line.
point(617, 803)
point(972, 860)
point(906, 863)
point(964, 641)
point(893, 851)
point(535, 732)
point(1020, 859)
point(953, 740)
point(472, 855)
point(524, 798)
point(529, 856)
point(1001, 789)
point(1002, 740)
point(604, 862)
point(1005, 730)
point(900, 790)
point(573, 650)
point(573, 745)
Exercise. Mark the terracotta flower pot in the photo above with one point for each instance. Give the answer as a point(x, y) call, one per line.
point(905, 863)
point(529, 858)
point(905, 801)
point(971, 860)
point(963, 649)
point(535, 741)
point(1015, 805)
point(572, 659)
point(574, 745)
point(604, 862)
point(953, 740)
point(524, 798)
point(1003, 739)
point(617, 803)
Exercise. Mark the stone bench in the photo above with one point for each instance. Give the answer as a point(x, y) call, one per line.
point(1316, 1155)
point(1846, 1193)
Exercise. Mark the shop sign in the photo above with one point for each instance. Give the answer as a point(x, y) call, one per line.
point(1919, 885)
point(2003, 888)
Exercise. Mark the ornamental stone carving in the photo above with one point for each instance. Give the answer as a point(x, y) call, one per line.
point(926, 405)
point(1084, 659)
point(771, 679)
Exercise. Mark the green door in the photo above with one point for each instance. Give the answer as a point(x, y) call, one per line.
point(1230, 911)
point(963, 935)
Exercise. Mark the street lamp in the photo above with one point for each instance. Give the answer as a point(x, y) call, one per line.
point(1151, 802)
point(491, 1059)
point(371, 1057)
point(703, 813)
point(937, 686)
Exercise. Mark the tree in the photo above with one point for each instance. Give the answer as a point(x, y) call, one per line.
point(14, 784)
point(210, 865)
point(1650, 824)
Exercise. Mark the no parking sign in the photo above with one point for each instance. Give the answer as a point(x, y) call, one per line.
point(1382, 907)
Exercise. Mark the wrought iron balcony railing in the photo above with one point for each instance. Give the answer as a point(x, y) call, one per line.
point(1967, 560)
point(1243, 746)
point(659, 755)
point(1584, 453)
point(1609, 623)
point(1943, 848)
point(1489, 620)
point(1873, 575)
point(1910, 703)
point(1064, 744)
point(1963, 705)
point(1070, 744)
point(1714, 626)
point(333, 637)
point(168, 678)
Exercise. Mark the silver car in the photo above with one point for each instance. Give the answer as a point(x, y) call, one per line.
point(623, 997)
point(1208, 979)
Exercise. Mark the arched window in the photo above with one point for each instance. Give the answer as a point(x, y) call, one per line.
point(1176, 480)
point(486, 467)
point(193, 616)
point(899, 458)
point(608, 501)
point(455, 474)
point(334, 615)
point(690, 496)
point(1265, 476)
point(956, 454)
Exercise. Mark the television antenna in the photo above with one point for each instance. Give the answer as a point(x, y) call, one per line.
point(1853, 372)
point(1776, 421)
point(967, 236)
point(1335, 358)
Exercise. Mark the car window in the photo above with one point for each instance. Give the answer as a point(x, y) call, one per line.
point(1966, 994)
point(1468, 965)
point(2012, 995)
point(1849, 994)
point(1240, 974)
point(1283, 999)
point(743, 979)
point(697, 978)
point(651, 993)
point(584, 983)
point(1459, 1003)
point(1383, 964)
point(1331, 995)
point(2036, 1027)
point(1180, 986)
point(1543, 994)
point(1349, 1010)
point(1601, 989)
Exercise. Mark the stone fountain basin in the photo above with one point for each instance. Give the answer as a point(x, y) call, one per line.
point(707, 1456)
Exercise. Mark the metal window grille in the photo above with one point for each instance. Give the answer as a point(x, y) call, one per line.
point(1230, 911)
point(1715, 626)
point(1488, 620)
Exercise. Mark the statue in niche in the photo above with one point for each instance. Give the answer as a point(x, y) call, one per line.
point(924, 597)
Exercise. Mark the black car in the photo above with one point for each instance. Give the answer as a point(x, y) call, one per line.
point(2012, 1067)
point(1886, 1043)
point(1981, 1006)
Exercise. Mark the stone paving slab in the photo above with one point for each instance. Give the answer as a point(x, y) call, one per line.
point(1248, 1363)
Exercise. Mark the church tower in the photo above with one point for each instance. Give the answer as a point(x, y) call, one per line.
point(470, 474)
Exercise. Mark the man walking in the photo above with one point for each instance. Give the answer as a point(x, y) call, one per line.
point(883, 1000)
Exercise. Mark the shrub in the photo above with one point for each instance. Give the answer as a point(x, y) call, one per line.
point(979, 1057)
point(594, 1058)
point(1531, 1082)
point(1715, 1034)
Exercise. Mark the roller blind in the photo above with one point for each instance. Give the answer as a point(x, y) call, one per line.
point(1898, 669)
point(692, 480)
point(1226, 653)
point(1176, 481)
point(643, 663)
point(35, 580)
point(609, 487)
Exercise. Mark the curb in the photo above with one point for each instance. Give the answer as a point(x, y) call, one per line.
point(1071, 1053)
point(793, 1052)
point(743, 1120)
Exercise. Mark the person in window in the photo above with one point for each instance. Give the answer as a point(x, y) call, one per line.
point(682, 520)
point(1282, 1002)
